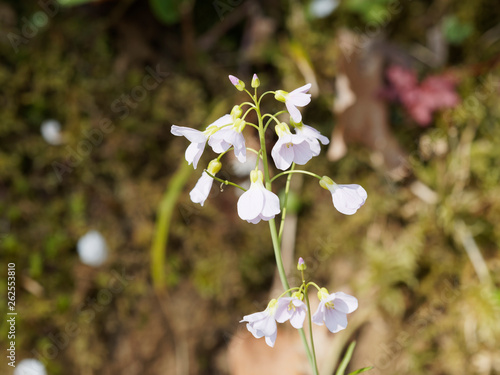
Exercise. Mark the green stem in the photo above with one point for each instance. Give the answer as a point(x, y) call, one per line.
point(296, 171)
point(274, 233)
point(225, 182)
point(285, 202)
point(315, 367)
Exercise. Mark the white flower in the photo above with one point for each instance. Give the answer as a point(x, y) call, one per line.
point(294, 99)
point(290, 148)
point(202, 188)
point(312, 136)
point(198, 138)
point(51, 132)
point(92, 249)
point(263, 324)
point(293, 309)
point(230, 136)
point(347, 199)
point(30, 367)
point(333, 308)
point(258, 203)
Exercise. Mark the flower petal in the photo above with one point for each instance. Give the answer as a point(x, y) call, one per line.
point(271, 204)
point(193, 135)
point(302, 89)
point(335, 320)
point(347, 199)
point(294, 112)
point(299, 99)
point(345, 303)
point(250, 203)
point(282, 155)
point(301, 152)
point(224, 120)
point(319, 315)
point(202, 189)
point(194, 152)
point(270, 340)
point(297, 319)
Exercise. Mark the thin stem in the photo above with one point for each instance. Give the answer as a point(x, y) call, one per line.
point(314, 285)
point(225, 182)
point(285, 202)
point(315, 367)
point(296, 171)
point(272, 227)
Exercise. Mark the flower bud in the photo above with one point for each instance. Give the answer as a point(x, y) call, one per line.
point(280, 96)
point(301, 265)
point(255, 81)
point(238, 83)
point(326, 183)
point(214, 166)
point(236, 112)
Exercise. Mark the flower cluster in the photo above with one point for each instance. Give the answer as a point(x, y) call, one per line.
point(297, 143)
point(332, 311)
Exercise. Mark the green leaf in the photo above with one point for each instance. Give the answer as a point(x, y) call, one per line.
point(346, 359)
point(456, 31)
point(361, 370)
point(167, 11)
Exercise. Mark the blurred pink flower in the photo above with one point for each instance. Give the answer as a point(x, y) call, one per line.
point(421, 100)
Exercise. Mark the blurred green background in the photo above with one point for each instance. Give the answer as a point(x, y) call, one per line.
point(421, 255)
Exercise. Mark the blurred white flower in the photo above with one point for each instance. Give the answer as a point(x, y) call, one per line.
point(30, 367)
point(92, 249)
point(51, 132)
point(322, 8)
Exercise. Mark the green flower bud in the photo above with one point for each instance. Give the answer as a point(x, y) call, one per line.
point(301, 265)
point(255, 81)
point(214, 166)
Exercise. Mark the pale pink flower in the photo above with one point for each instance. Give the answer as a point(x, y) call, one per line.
point(200, 192)
point(333, 309)
point(293, 309)
point(263, 324)
point(198, 138)
point(347, 199)
point(290, 148)
point(258, 203)
point(230, 136)
point(312, 136)
point(294, 99)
